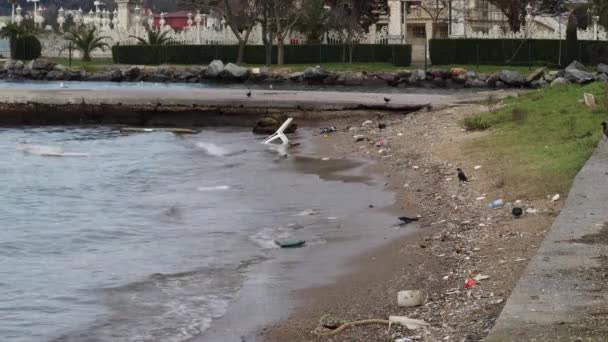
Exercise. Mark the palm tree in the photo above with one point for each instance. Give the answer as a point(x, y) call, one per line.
point(155, 38)
point(14, 32)
point(86, 40)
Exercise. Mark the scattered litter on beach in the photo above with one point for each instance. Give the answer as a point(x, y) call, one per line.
point(470, 283)
point(481, 198)
point(520, 259)
point(555, 198)
point(481, 277)
point(477, 167)
point(367, 122)
point(496, 204)
point(332, 218)
point(328, 130)
point(532, 211)
point(410, 298)
point(325, 159)
point(410, 323)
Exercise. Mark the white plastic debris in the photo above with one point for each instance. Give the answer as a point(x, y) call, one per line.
point(415, 167)
point(481, 277)
point(410, 298)
point(367, 122)
point(532, 211)
point(409, 323)
point(481, 198)
point(477, 167)
point(555, 198)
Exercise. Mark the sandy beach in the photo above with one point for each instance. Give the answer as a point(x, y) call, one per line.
point(458, 236)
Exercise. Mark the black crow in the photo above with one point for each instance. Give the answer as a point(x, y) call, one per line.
point(387, 100)
point(407, 220)
point(605, 125)
point(381, 126)
point(517, 212)
point(461, 176)
point(249, 94)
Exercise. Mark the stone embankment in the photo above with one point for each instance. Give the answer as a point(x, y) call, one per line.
point(216, 71)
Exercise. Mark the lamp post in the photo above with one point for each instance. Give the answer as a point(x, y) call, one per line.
point(35, 9)
point(61, 19)
point(18, 17)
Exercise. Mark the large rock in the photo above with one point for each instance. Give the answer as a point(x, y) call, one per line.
point(404, 74)
point(455, 72)
point(559, 81)
point(603, 68)
point(9, 64)
point(43, 64)
point(215, 68)
point(537, 84)
point(55, 75)
point(475, 83)
point(19, 65)
point(234, 71)
point(116, 75)
point(296, 76)
point(579, 76)
point(536, 75)
point(269, 125)
point(417, 76)
point(132, 73)
point(575, 65)
point(317, 73)
point(100, 77)
point(602, 78)
point(511, 78)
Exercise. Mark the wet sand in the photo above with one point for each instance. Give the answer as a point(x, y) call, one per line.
point(457, 238)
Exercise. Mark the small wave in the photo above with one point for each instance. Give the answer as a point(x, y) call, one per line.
point(214, 188)
point(48, 151)
point(212, 149)
point(267, 236)
point(307, 212)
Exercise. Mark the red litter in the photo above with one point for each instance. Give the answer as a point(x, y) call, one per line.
point(470, 283)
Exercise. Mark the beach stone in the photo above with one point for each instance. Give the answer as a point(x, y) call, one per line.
point(55, 75)
point(536, 75)
point(317, 73)
point(579, 76)
point(215, 68)
point(18, 65)
point(602, 68)
point(158, 78)
point(559, 81)
point(330, 322)
point(43, 64)
point(60, 67)
point(235, 72)
point(461, 79)
point(387, 77)
point(511, 78)
point(440, 73)
point(575, 65)
point(439, 82)
point(351, 79)
point(295, 76)
point(471, 74)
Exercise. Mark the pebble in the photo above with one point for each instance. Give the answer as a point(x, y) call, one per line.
point(555, 198)
point(481, 198)
point(477, 167)
point(415, 167)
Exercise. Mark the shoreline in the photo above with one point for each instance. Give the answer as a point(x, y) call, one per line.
point(457, 238)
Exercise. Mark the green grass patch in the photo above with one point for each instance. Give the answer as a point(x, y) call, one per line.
point(96, 64)
point(540, 140)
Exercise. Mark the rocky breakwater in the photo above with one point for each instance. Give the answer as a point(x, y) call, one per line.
point(217, 71)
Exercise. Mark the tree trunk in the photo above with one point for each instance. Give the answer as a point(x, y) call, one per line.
point(241, 55)
point(86, 56)
point(280, 51)
point(12, 42)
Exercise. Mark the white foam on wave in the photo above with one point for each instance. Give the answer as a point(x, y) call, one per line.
point(212, 149)
point(214, 188)
point(48, 151)
point(266, 237)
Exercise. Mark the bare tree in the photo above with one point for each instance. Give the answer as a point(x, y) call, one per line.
point(437, 11)
point(345, 21)
point(241, 17)
point(516, 11)
point(286, 14)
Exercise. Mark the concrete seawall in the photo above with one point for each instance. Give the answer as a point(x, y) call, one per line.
point(188, 106)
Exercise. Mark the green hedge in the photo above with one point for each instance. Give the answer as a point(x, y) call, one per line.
point(27, 48)
point(399, 55)
point(513, 51)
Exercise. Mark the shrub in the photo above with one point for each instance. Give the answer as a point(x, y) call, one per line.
point(477, 123)
point(27, 48)
point(399, 55)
